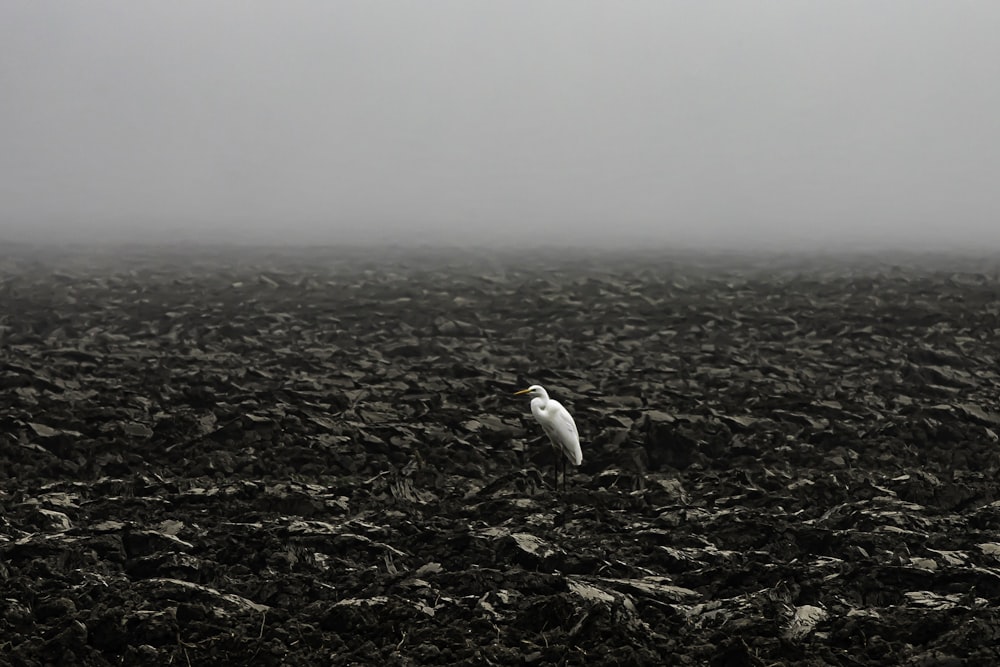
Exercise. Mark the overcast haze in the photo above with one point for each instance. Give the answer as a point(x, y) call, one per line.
point(782, 122)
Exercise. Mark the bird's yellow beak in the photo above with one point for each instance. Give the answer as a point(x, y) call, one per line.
point(523, 391)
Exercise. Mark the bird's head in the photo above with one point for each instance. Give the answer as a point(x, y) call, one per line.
point(533, 390)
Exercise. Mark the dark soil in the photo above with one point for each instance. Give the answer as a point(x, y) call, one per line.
point(290, 458)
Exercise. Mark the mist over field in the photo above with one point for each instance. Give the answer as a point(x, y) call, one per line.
point(785, 126)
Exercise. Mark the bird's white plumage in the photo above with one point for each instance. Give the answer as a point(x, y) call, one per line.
point(557, 423)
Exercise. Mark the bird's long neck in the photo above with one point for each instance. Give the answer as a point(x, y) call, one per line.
point(543, 397)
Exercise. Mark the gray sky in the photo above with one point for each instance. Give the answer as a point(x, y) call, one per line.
point(783, 122)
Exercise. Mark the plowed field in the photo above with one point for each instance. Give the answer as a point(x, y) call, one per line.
point(312, 458)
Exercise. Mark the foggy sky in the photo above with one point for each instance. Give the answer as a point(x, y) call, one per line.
point(767, 123)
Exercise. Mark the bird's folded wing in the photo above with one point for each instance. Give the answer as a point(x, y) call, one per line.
point(567, 421)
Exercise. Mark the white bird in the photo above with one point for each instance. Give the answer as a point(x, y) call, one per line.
point(558, 424)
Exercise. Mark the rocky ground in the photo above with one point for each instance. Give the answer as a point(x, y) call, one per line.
point(292, 458)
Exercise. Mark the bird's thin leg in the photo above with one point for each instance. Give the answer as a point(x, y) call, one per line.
point(555, 471)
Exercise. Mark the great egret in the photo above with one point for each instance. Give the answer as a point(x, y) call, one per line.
point(558, 424)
